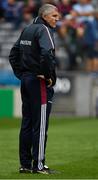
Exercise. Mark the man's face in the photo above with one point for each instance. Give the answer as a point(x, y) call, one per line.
point(52, 18)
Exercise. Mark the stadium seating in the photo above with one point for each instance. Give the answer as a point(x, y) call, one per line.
point(8, 35)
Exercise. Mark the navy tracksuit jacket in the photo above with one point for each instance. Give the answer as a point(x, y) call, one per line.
point(34, 54)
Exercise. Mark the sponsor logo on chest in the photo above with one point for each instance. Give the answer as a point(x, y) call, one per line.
point(25, 42)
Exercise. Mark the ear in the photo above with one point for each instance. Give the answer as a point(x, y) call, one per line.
point(44, 17)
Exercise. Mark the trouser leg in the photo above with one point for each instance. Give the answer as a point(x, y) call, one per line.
point(40, 130)
point(25, 138)
point(50, 93)
point(30, 128)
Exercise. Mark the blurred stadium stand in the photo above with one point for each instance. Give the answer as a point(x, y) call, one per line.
point(8, 36)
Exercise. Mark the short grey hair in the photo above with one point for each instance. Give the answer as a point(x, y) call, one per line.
point(46, 9)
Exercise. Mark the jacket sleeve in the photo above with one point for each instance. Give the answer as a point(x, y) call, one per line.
point(14, 59)
point(47, 62)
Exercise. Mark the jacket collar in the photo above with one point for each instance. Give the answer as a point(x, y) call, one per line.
point(40, 20)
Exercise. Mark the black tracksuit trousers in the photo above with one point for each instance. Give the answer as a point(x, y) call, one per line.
point(36, 107)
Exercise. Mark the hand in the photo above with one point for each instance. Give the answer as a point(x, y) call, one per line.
point(49, 82)
point(41, 76)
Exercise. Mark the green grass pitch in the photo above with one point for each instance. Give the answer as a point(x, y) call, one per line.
point(72, 149)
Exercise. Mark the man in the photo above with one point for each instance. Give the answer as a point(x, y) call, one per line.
point(33, 61)
point(84, 11)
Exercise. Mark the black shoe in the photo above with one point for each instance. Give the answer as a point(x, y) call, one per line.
point(25, 170)
point(50, 171)
point(42, 171)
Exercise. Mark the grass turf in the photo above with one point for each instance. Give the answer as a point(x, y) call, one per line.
point(72, 149)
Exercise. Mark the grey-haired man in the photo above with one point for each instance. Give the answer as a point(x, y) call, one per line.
point(33, 62)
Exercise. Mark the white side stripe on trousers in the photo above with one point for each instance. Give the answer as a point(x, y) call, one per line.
point(42, 136)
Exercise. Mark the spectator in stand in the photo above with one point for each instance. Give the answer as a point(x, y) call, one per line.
point(83, 10)
point(13, 12)
point(80, 45)
point(60, 46)
point(27, 18)
point(93, 63)
point(33, 6)
point(87, 42)
point(64, 7)
point(1, 11)
point(95, 3)
point(49, 2)
point(3, 3)
point(96, 35)
point(73, 2)
point(71, 40)
point(95, 25)
point(66, 41)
